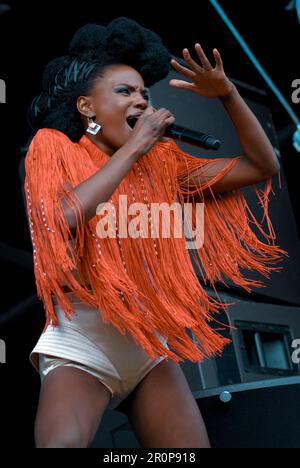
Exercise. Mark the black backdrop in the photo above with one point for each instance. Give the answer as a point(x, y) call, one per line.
point(34, 32)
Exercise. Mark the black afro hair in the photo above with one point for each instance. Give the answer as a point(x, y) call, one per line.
point(93, 48)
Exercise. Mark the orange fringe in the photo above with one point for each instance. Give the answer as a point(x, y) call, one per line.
point(159, 291)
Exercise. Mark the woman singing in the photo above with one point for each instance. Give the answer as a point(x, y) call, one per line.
point(118, 306)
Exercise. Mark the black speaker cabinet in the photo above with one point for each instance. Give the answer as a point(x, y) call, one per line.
point(257, 415)
point(254, 415)
point(264, 340)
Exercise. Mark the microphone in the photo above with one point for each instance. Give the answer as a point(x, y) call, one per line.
point(192, 137)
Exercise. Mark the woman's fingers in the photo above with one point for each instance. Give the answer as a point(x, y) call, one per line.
point(194, 65)
point(204, 60)
point(181, 84)
point(183, 70)
point(218, 58)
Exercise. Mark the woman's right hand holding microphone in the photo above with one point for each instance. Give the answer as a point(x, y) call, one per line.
point(149, 129)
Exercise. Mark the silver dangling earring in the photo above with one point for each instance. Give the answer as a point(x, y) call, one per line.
point(93, 127)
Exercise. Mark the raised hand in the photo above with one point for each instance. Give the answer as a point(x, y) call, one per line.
point(205, 80)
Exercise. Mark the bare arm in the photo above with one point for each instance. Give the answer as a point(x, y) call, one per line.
point(256, 145)
point(259, 161)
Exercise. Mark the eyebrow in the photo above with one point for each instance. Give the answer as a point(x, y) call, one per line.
point(133, 88)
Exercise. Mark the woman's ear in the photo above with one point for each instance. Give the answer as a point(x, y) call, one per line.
point(85, 106)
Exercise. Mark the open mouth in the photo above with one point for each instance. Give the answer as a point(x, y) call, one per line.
point(131, 121)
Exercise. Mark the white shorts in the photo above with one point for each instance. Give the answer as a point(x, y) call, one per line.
point(87, 343)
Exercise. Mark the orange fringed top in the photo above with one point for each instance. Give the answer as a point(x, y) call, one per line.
point(141, 285)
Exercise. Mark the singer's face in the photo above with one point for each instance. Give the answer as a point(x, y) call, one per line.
point(120, 92)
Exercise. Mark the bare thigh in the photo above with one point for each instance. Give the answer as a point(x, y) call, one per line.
point(70, 408)
point(163, 411)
